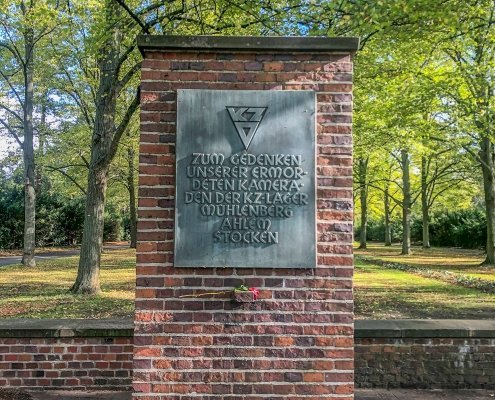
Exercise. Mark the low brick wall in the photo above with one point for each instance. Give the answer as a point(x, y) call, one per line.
point(447, 354)
point(66, 354)
point(85, 354)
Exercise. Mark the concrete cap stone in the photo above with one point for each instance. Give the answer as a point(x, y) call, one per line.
point(248, 43)
point(58, 328)
point(425, 328)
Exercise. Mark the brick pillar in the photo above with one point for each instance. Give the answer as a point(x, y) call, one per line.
point(296, 341)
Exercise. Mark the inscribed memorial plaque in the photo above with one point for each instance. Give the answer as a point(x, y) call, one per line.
point(245, 188)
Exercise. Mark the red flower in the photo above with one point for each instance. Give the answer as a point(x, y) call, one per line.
point(255, 292)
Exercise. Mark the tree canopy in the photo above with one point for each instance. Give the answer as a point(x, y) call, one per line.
point(69, 81)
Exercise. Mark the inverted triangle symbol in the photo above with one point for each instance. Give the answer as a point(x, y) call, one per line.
point(246, 131)
point(246, 121)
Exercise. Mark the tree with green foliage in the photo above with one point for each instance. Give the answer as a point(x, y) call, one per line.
point(414, 57)
point(469, 44)
point(112, 44)
point(25, 27)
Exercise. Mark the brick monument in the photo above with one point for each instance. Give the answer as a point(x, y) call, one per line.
point(245, 181)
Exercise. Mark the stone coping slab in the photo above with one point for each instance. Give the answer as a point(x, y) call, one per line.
point(248, 43)
point(424, 328)
point(65, 328)
point(410, 328)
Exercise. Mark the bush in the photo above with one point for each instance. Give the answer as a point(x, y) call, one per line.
point(376, 230)
point(70, 221)
point(11, 212)
point(59, 217)
point(113, 229)
point(461, 228)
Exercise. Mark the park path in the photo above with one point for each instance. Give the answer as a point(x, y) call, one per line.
point(361, 394)
point(50, 255)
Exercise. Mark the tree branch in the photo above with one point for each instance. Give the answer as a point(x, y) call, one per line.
point(128, 76)
point(133, 16)
point(389, 195)
point(12, 112)
point(84, 159)
point(12, 88)
point(12, 133)
point(79, 100)
point(13, 50)
point(123, 124)
point(61, 171)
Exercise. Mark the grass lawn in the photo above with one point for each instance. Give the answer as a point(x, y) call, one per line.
point(42, 292)
point(463, 261)
point(382, 293)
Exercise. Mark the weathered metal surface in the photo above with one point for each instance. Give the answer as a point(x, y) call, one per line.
point(245, 194)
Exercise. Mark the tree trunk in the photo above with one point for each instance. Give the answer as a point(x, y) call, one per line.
point(41, 145)
point(131, 187)
point(88, 274)
point(388, 232)
point(486, 155)
point(102, 152)
point(406, 203)
point(28, 154)
point(424, 204)
point(363, 193)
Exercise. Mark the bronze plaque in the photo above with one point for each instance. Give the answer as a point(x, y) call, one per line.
point(245, 188)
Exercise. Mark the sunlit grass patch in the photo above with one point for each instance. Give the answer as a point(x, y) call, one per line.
point(463, 261)
point(382, 293)
point(43, 291)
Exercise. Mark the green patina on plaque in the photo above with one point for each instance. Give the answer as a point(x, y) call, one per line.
point(245, 191)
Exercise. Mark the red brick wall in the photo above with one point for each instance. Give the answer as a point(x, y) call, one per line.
point(296, 341)
point(418, 354)
point(66, 363)
point(430, 363)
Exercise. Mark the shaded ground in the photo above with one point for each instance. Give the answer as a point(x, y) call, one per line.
point(42, 292)
point(361, 394)
point(13, 394)
point(441, 258)
point(411, 394)
point(66, 395)
point(382, 293)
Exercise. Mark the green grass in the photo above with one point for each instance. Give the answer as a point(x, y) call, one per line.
point(382, 293)
point(462, 261)
point(42, 292)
